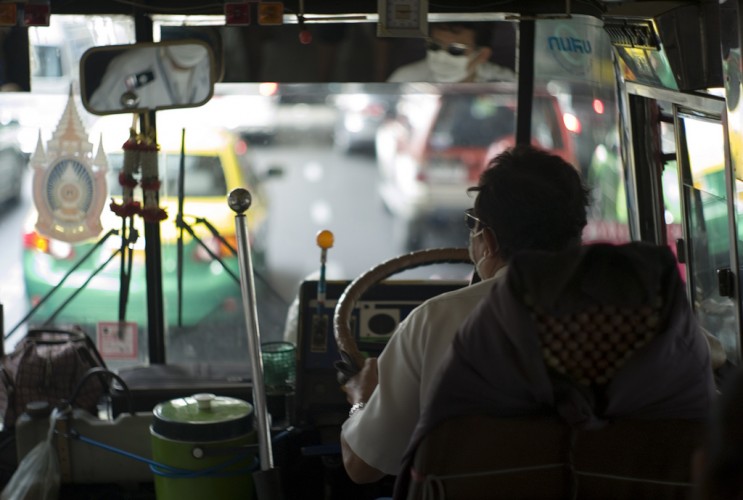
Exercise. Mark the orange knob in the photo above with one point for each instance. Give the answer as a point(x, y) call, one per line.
point(324, 239)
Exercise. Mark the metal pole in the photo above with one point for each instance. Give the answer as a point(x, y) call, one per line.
point(527, 30)
point(2, 330)
point(239, 201)
point(179, 223)
point(267, 480)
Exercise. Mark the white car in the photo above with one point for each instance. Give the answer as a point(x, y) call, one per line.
point(359, 116)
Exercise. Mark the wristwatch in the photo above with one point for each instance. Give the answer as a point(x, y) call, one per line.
point(356, 407)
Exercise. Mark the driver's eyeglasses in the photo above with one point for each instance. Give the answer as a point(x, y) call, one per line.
point(455, 49)
point(472, 222)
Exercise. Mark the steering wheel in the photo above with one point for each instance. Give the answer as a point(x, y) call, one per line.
point(351, 358)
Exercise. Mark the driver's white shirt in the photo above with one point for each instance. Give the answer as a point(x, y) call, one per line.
point(380, 432)
point(167, 87)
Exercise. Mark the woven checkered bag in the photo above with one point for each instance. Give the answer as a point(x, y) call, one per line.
point(47, 365)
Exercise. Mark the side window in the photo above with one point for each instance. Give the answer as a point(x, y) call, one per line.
point(708, 228)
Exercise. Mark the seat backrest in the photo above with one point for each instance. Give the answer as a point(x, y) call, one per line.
point(469, 457)
point(477, 457)
point(615, 302)
point(637, 459)
point(591, 344)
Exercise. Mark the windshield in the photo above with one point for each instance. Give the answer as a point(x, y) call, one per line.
point(384, 166)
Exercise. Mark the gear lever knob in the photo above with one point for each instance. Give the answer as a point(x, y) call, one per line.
point(239, 200)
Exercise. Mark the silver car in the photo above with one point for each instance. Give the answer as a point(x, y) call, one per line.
point(12, 163)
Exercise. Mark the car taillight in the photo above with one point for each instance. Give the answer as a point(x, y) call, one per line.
point(598, 106)
point(55, 248)
point(216, 247)
point(34, 241)
point(241, 147)
point(572, 123)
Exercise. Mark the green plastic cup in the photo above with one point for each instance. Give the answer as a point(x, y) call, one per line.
point(279, 367)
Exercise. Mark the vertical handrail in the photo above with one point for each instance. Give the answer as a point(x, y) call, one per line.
point(268, 485)
point(179, 224)
point(239, 199)
point(527, 31)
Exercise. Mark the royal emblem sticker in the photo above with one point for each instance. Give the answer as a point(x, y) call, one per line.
point(69, 187)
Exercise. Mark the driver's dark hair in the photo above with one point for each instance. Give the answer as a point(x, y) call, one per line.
point(531, 200)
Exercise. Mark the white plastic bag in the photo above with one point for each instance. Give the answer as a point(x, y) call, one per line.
point(38, 475)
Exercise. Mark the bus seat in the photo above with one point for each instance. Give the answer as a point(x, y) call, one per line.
point(637, 459)
point(478, 456)
point(604, 316)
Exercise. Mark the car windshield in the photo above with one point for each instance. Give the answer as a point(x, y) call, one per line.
point(473, 121)
point(478, 121)
point(203, 175)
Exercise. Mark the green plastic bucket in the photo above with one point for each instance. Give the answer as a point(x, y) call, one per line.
point(204, 445)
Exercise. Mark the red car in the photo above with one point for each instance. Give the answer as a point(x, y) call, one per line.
point(437, 144)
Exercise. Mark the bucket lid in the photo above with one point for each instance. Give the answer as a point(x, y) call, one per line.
point(203, 418)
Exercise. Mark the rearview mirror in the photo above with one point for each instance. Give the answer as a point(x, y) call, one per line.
point(146, 77)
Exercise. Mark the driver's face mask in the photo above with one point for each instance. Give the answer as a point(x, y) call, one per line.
point(470, 248)
point(186, 55)
point(448, 68)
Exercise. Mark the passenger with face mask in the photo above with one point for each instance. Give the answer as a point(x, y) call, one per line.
point(455, 52)
point(526, 199)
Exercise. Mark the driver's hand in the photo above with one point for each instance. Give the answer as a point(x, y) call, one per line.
point(360, 387)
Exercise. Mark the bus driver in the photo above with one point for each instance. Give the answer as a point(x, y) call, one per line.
point(455, 52)
point(155, 76)
point(526, 199)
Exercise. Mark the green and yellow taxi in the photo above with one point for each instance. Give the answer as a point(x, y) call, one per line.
point(81, 283)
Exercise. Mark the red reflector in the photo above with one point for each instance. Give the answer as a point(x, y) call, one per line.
point(598, 106)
